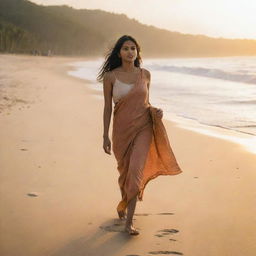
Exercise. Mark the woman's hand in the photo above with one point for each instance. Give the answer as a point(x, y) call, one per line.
point(107, 145)
point(159, 113)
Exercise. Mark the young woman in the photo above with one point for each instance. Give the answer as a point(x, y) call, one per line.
point(140, 142)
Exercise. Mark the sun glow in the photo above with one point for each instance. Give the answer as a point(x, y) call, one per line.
point(218, 18)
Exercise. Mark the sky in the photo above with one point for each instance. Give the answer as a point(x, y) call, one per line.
point(214, 18)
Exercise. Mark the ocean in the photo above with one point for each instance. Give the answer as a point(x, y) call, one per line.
point(198, 93)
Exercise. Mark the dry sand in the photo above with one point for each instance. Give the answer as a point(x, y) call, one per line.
point(59, 189)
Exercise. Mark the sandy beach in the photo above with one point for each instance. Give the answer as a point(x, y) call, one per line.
point(59, 190)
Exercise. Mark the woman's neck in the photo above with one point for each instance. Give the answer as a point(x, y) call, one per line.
point(128, 67)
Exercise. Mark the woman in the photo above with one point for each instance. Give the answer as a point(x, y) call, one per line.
point(140, 142)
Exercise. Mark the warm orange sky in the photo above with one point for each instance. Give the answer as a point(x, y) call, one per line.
point(216, 18)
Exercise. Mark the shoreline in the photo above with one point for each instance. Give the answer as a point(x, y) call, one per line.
point(244, 139)
point(59, 190)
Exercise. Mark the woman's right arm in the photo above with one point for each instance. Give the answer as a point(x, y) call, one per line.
point(107, 89)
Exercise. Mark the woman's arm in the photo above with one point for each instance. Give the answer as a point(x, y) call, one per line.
point(148, 75)
point(107, 89)
point(159, 110)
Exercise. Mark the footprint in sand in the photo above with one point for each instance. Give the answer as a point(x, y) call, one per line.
point(165, 252)
point(165, 232)
point(165, 213)
point(33, 194)
point(142, 214)
point(115, 227)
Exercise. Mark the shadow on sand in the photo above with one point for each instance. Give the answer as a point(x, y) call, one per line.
point(107, 240)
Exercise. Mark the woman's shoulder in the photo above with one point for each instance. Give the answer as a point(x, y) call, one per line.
point(109, 76)
point(115, 69)
point(147, 73)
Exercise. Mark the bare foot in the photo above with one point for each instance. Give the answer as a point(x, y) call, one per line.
point(131, 230)
point(121, 215)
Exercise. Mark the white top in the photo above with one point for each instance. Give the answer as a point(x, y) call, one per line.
point(120, 89)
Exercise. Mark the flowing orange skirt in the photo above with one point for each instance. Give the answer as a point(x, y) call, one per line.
point(140, 144)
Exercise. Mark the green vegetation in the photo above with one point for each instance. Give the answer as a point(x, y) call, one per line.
point(26, 27)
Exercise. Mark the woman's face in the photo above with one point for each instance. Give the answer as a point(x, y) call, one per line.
point(128, 51)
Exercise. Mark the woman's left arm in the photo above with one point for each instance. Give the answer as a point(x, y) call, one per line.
point(159, 110)
point(148, 83)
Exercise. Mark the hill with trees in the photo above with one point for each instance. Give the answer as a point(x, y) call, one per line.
point(26, 27)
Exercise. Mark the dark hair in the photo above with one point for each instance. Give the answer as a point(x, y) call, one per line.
point(112, 60)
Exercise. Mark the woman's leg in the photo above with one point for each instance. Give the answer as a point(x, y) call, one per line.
point(130, 210)
point(135, 171)
point(129, 224)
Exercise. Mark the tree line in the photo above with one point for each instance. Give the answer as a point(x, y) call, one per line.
point(26, 27)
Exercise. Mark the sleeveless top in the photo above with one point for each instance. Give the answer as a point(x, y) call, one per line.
point(120, 89)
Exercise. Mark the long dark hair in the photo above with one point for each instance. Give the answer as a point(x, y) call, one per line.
point(112, 60)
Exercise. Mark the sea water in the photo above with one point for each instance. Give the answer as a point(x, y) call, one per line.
point(210, 92)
